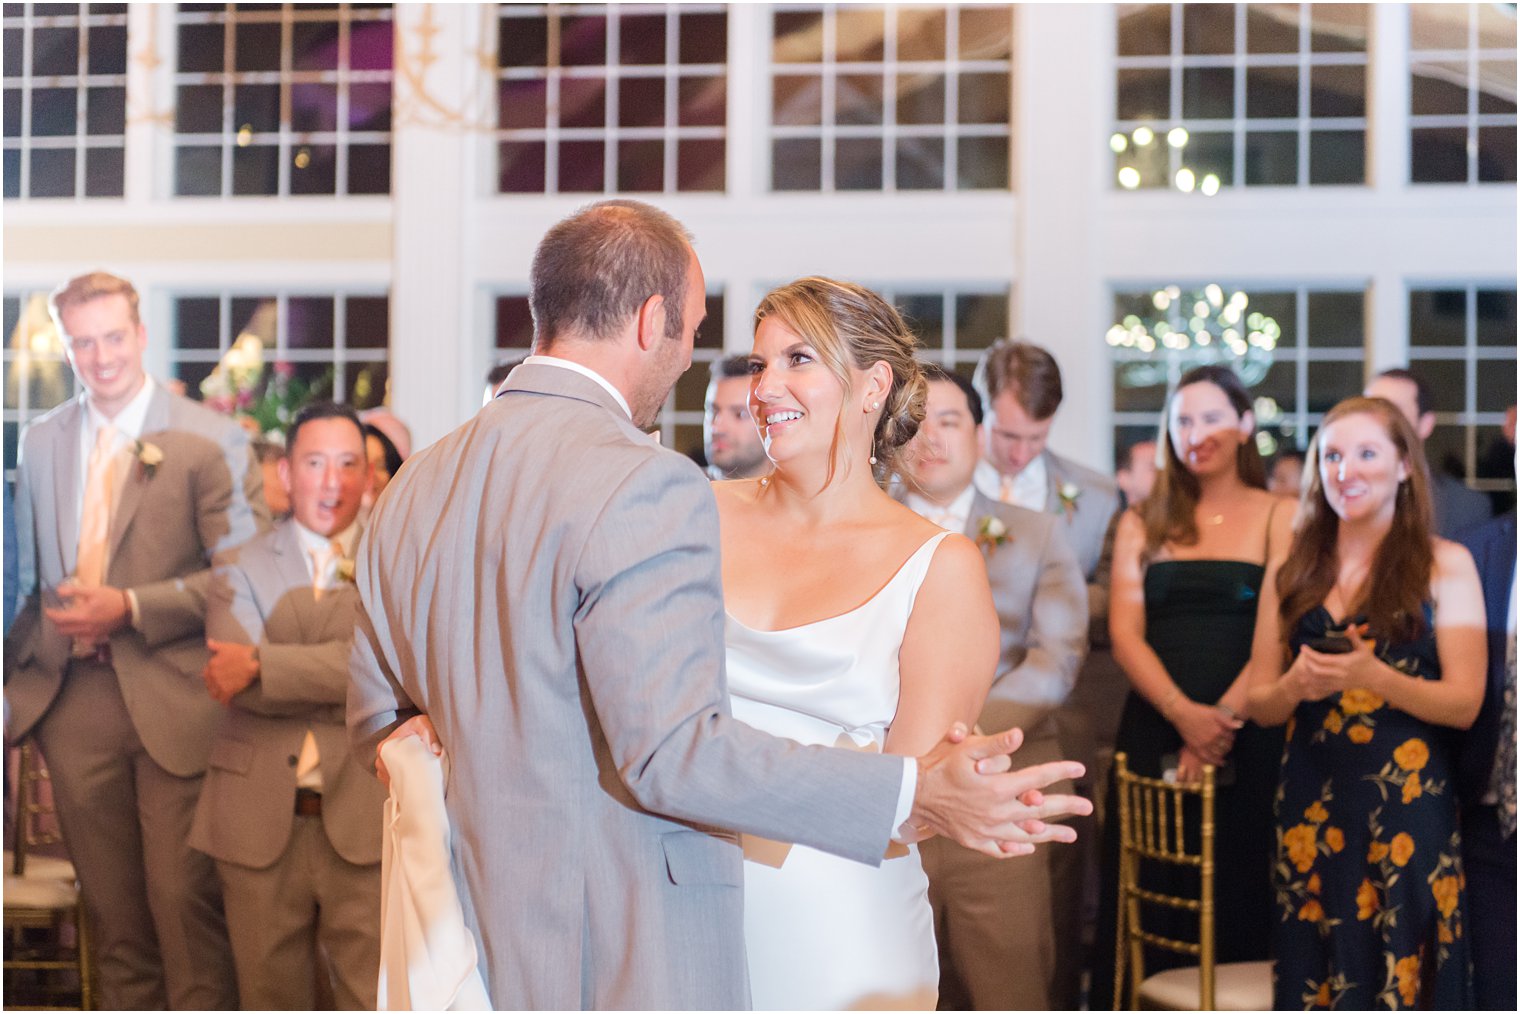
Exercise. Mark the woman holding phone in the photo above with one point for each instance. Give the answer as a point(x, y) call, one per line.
point(1383, 625)
point(1186, 576)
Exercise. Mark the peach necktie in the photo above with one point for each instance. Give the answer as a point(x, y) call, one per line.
point(95, 519)
point(322, 561)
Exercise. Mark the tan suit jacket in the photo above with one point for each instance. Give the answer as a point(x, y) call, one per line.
point(205, 496)
point(544, 583)
point(262, 595)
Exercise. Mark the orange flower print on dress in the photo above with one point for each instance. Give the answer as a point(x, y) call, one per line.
point(1446, 892)
point(1299, 841)
point(1377, 852)
point(1359, 734)
point(1335, 838)
point(1312, 911)
point(1317, 812)
point(1401, 848)
point(1334, 723)
point(1366, 900)
point(1314, 884)
point(1408, 972)
point(1359, 702)
point(1322, 998)
point(1412, 755)
point(1412, 788)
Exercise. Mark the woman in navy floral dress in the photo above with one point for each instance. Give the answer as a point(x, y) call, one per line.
point(1384, 630)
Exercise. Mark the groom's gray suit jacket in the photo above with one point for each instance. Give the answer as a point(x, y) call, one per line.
point(544, 583)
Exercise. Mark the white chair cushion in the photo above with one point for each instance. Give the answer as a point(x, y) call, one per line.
point(25, 892)
point(43, 867)
point(1242, 985)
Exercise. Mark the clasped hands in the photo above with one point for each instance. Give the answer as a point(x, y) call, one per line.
point(967, 790)
point(1315, 675)
point(89, 613)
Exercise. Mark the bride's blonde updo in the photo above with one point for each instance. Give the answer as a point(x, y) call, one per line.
point(853, 327)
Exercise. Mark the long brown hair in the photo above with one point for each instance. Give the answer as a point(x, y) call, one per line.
point(1169, 512)
point(1398, 582)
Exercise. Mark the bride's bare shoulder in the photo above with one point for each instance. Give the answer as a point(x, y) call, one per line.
point(735, 494)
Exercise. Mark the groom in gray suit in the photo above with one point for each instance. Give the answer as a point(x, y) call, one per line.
point(542, 587)
point(122, 497)
point(291, 819)
point(989, 958)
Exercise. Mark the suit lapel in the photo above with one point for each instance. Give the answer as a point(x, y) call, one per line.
point(155, 420)
point(66, 483)
point(981, 507)
point(290, 566)
point(1054, 478)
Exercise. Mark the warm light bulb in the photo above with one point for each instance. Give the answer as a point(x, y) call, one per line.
point(1185, 180)
point(1177, 137)
point(1129, 177)
point(1142, 136)
point(1118, 143)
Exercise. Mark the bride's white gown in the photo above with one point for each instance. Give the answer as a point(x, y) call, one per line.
point(825, 933)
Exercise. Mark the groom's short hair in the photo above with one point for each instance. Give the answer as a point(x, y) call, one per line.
point(593, 270)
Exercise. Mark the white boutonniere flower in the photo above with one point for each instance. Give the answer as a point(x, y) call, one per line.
point(1069, 492)
point(149, 456)
point(990, 533)
point(345, 570)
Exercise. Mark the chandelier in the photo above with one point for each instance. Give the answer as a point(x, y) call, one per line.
point(1193, 328)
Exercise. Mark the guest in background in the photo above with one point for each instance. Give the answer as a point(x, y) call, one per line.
point(1497, 461)
point(122, 497)
point(1456, 507)
point(396, 431)
point(269, 455)
point(1188, 567)
point(495, 376)
point(1020, 385)
point(989, 961)
point(730, 438)
point(297, 847)
point(1383, 625)
point(12, 570)
point(384, 462)
point(1486, 777)
point(1286, 476)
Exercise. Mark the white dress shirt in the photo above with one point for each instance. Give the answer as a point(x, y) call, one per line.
point(952, 517)
point(1029, 489)
point(309, 764)
point(129, 426)
point(585, 371)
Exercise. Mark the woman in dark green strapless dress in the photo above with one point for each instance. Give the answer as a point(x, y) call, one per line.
point(1187, 577)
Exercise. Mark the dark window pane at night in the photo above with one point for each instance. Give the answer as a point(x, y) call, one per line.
point(984, 98)
point(857, 163)
point(522, 104)
point(309, 322)
point(1438, 155)
point(105, 111)
point(54, 112)
point(514, 323)
point(1271, 28)
point(857, 99)
point(1438, 317)
point(313, 108)
point(257, 47)
point(1496, 154)
point(1338, 91)
point(198, 110)
point(256, 170)
point(641, 166)
point(108, 49)
point(796, 163)
point(364, 383)
point(1337, 156)
point(980, 320)
point(1496, 87)
point(314, 45)
point(1336, 320)
point(257, 107)
point(1211, 153)
point(1438, 88)
point(920, 163)
point(1208, 28)
point(369, 106)
point(1145, 30)
point(583, 102)
point(1208, 93)
point(369, 169)
point(1271, 92)
point(583, 41)
point(12, 159)
point(524, 42)
point(1496, 318)
point(370, 44)
point(521, 167)
point(703, 101)
point(921, 98)
point(197, 171)
point(641, 39)
point(796, 100)
point(641, 102)
point(55, 52)
point(700, 165)
point(368, 322)
point(1144, 94)
point(582, 167)
point(104, 172)
point(314, 169)
point(200, 48)
point(13, 112)
point(53, 173)
point(197, 323)
point(982, 163)
point(704, 38)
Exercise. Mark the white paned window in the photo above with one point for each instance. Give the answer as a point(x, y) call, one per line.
point(65, 93)
point(1318, 358)
point(37, 375)
point(1220, 95)
point(337, 344)
point(282, 99)
point(612, 98)
point(1462, 345)
point(1462, 93)
point(869, 97)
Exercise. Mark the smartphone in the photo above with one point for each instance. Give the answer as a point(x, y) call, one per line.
point(1330, 644)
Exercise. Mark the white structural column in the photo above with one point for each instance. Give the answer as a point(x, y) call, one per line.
point(442, 117)
point(1062, 101)
point(1388, 176)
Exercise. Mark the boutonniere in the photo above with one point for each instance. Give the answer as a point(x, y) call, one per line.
point(1069, 492)
point(149, 456)
point(991, 533)
point(345, 570)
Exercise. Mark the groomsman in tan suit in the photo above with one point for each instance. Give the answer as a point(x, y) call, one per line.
point(292, 821)
point(997, 952)
point(122, 497)
point(541, 588)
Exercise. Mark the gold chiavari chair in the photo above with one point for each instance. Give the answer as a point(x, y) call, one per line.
point(41, 897)
point(1152, 830)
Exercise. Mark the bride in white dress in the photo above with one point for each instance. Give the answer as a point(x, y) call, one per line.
point(851, 621)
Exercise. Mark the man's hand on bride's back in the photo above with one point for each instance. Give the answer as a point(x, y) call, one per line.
point(969, 791)
point(420, 726)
